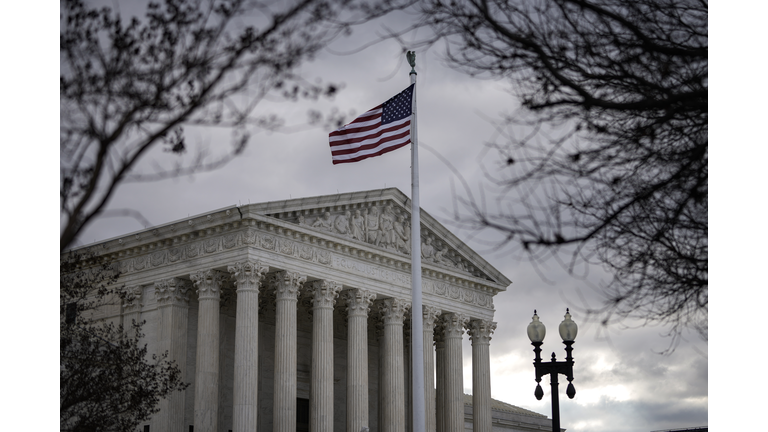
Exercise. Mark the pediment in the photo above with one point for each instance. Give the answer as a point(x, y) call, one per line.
point(381, 219)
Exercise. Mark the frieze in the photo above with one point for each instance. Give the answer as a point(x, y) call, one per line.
point(324, 257)
point(427, 286)
point(140, 262)
point(174, 254)
point(287, 247)
point(306, 252)
point(268, 242)
point(228, 241)
point(158, 258)
point(211, 245)
point(250, 237)
point(375, 272)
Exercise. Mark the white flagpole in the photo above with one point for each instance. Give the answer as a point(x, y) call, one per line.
point(417, 335)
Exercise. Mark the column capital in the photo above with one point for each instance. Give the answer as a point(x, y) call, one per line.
point(453, 325)
point(248, 275)
point(393, 310)
point(324, 293)
point(430, 314)
point(131, 297)
point(359, 301)
point(287, 284)
point(208, 283)
point(172, 291)
point(480, 331)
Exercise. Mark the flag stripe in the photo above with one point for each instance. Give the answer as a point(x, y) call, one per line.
point(372, 144)
point(362, 139)
point(371, 118)
point(369, 135)
point(366, 156)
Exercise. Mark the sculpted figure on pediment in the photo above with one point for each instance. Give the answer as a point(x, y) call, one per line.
point(357, 225)
point(461, 266)
point(440, 257)
point(427, 250)
point(372, 226)
point(386, 228)
point(324, 222)
point(402, 236)
point(342, 224)
point(302, 221)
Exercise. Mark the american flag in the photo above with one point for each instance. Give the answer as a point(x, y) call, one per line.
point(384, 128)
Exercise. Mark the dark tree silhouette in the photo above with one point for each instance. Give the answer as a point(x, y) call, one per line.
point(128, 86)
point(606, 160)
point(107, 380)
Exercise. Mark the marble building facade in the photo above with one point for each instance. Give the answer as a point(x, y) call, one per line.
point(295, 315)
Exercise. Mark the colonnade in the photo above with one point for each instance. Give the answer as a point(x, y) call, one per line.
point(444, 397)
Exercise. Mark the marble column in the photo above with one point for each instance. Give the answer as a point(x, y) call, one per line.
point(248, 276)
point(358, 306)
point(408, 374)
point(208, 284)
point(392, 386)
point(321, 390)
point(287, 286)
point(380, 339)
point(429, 315)
point(480, 335)
point(173, 306)
point(440, 377)
point(454, 373)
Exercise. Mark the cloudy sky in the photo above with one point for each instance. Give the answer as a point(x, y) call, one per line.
point(622, 383)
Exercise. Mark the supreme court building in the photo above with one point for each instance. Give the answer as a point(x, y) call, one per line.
point(295, 316)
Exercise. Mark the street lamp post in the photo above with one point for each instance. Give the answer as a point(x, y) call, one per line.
point(536, 332)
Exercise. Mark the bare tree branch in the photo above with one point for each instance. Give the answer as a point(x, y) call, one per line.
point(607, 159)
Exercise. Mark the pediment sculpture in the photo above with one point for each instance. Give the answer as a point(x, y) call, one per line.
point(385, 226)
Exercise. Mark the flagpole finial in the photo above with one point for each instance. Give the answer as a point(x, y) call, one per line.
point(411, 56)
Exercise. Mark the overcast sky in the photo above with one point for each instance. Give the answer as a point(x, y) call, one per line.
point(622, 383)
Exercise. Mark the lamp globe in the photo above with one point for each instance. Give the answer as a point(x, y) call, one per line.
point(568, 328)
point(536, 330)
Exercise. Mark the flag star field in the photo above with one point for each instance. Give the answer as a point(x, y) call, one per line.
point(380, 130)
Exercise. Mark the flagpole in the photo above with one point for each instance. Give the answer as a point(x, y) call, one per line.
point(417, 334)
